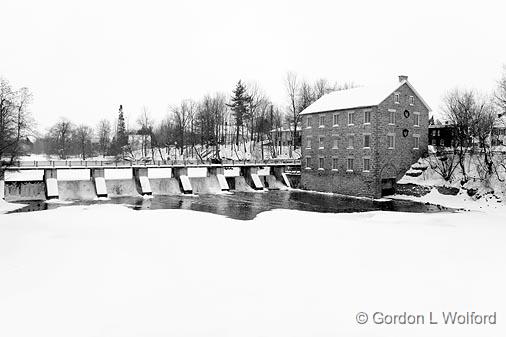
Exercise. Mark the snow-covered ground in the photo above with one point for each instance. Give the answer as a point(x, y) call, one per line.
point(8, 207)
point(243, 151)
point(479, 192)
point(460, 201)
point(106, 270)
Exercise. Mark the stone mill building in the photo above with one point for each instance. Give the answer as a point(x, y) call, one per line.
point(362, 140)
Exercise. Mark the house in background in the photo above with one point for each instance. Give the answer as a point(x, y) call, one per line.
point(499, 131)
point(362, 140)
point(282, 136)
point(441, 134)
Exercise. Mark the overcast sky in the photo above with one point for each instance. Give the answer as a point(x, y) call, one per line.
point(83, 59)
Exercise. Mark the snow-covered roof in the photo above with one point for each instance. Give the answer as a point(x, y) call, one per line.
point(357, 98)
point(283, 129)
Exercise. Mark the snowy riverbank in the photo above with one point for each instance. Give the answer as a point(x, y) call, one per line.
point(460, 201)
point(110, 271)
point(8, 206)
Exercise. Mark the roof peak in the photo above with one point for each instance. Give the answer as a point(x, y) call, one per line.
point(359, 97)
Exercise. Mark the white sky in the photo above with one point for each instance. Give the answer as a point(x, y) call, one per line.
point(83, 59)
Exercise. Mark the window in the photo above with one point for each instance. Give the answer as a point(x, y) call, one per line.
point(308, 163)
point(321, 163)
point(411, 100)
point(391, 116)
point(367, 117)
point(308, 142)
point(320, 142)
point(335, 119)
point(367, 141)
point(367, 165)
point(417, 142)
point(391, 141)
point(349, 164)
point(434, 142)
point(417, 118)
point(351, 140)
point(335, 144)
point(334, 164)
point(308, 122)
point(351, 117)
point(397, 98)
point(322, 121)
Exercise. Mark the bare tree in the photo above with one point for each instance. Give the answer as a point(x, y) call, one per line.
point(485, 117)
point(183, 117)
point(444, 163)
point(165, 135)
point(292, 86)
point(257, 100)
point(15, 120)
point(460, 109)
point(104, 136)
point(501, 91)
point(59, 137)
point(82, 139)
point(473, 117)
point(307, 94)
point(146, 124)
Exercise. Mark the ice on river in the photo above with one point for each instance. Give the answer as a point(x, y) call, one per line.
point(106, 270)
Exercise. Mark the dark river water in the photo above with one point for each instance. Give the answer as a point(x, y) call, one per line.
point(246, 205)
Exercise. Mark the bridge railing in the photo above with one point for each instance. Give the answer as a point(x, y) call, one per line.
point(151, 163)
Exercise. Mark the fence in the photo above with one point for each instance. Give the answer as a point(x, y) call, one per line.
point(136, 163)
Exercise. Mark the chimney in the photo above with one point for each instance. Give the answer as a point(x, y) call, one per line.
point(403, 78)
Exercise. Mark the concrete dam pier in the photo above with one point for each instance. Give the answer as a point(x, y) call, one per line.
point(88, 183)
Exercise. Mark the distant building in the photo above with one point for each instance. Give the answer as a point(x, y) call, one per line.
point(282, 136)
point(445, 135)
point(442, 135)
point(360, 141)
point(499, 131)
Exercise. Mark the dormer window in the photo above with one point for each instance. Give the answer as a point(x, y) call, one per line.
point(397, 98)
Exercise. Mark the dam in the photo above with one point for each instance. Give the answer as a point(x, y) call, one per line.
point(89, 180)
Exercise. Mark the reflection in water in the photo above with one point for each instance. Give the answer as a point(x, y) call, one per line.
point(246, 205)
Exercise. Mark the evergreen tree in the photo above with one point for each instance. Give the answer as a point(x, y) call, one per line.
point(239, 106)
point(120, 139)
point(121, 135)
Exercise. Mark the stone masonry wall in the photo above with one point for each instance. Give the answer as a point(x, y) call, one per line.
point(384, 162)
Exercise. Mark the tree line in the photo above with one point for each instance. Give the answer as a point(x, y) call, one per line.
point(473, 115)
point(242, 122)
point(16, 123)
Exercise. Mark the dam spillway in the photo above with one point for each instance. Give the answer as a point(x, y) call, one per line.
point(78, 183)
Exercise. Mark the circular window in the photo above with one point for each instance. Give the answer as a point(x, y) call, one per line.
point(405, 132)
point(406, 113)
